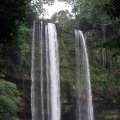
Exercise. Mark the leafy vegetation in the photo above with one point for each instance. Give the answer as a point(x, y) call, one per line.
point(16, 18)
point(9, 100)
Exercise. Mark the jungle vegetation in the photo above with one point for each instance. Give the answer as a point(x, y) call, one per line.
point(98, 19)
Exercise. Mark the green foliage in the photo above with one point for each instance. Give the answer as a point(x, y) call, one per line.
point(8, 100)
point(99, 80)
point(64, 20)
point(16, 18)
point(113, 9)
point(88, 10)
point(67, 63)
point(7, 88)
point(17, 54)
point(12, 14)
point(61, 16)
point(24, 47)
point(14, 40)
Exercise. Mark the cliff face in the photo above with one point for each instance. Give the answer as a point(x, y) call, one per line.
point(24, 111)
point(103, 110)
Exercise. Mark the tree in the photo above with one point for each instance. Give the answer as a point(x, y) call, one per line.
point(13, 35)
point(12, 15)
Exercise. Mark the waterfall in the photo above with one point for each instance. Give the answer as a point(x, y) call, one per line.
point(84, 109)
point(45, 87)
point(54, 72)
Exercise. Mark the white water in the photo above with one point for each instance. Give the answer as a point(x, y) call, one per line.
point(45, 87)
point(48, 75)
point(84, 109)
point(37, 95)
point(32, 75)
point(54, 72)
point(41, 70)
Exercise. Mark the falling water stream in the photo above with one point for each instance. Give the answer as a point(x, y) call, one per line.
point(54, 72)
point(45, 88)
point(84, 109)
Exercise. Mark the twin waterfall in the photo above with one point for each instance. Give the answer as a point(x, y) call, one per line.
point(45, 87)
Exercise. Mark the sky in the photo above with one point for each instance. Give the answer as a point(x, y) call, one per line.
point(56, 7)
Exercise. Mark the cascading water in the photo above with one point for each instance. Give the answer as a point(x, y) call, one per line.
point(45, 87)
point(84, 109)
point(54, 72)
